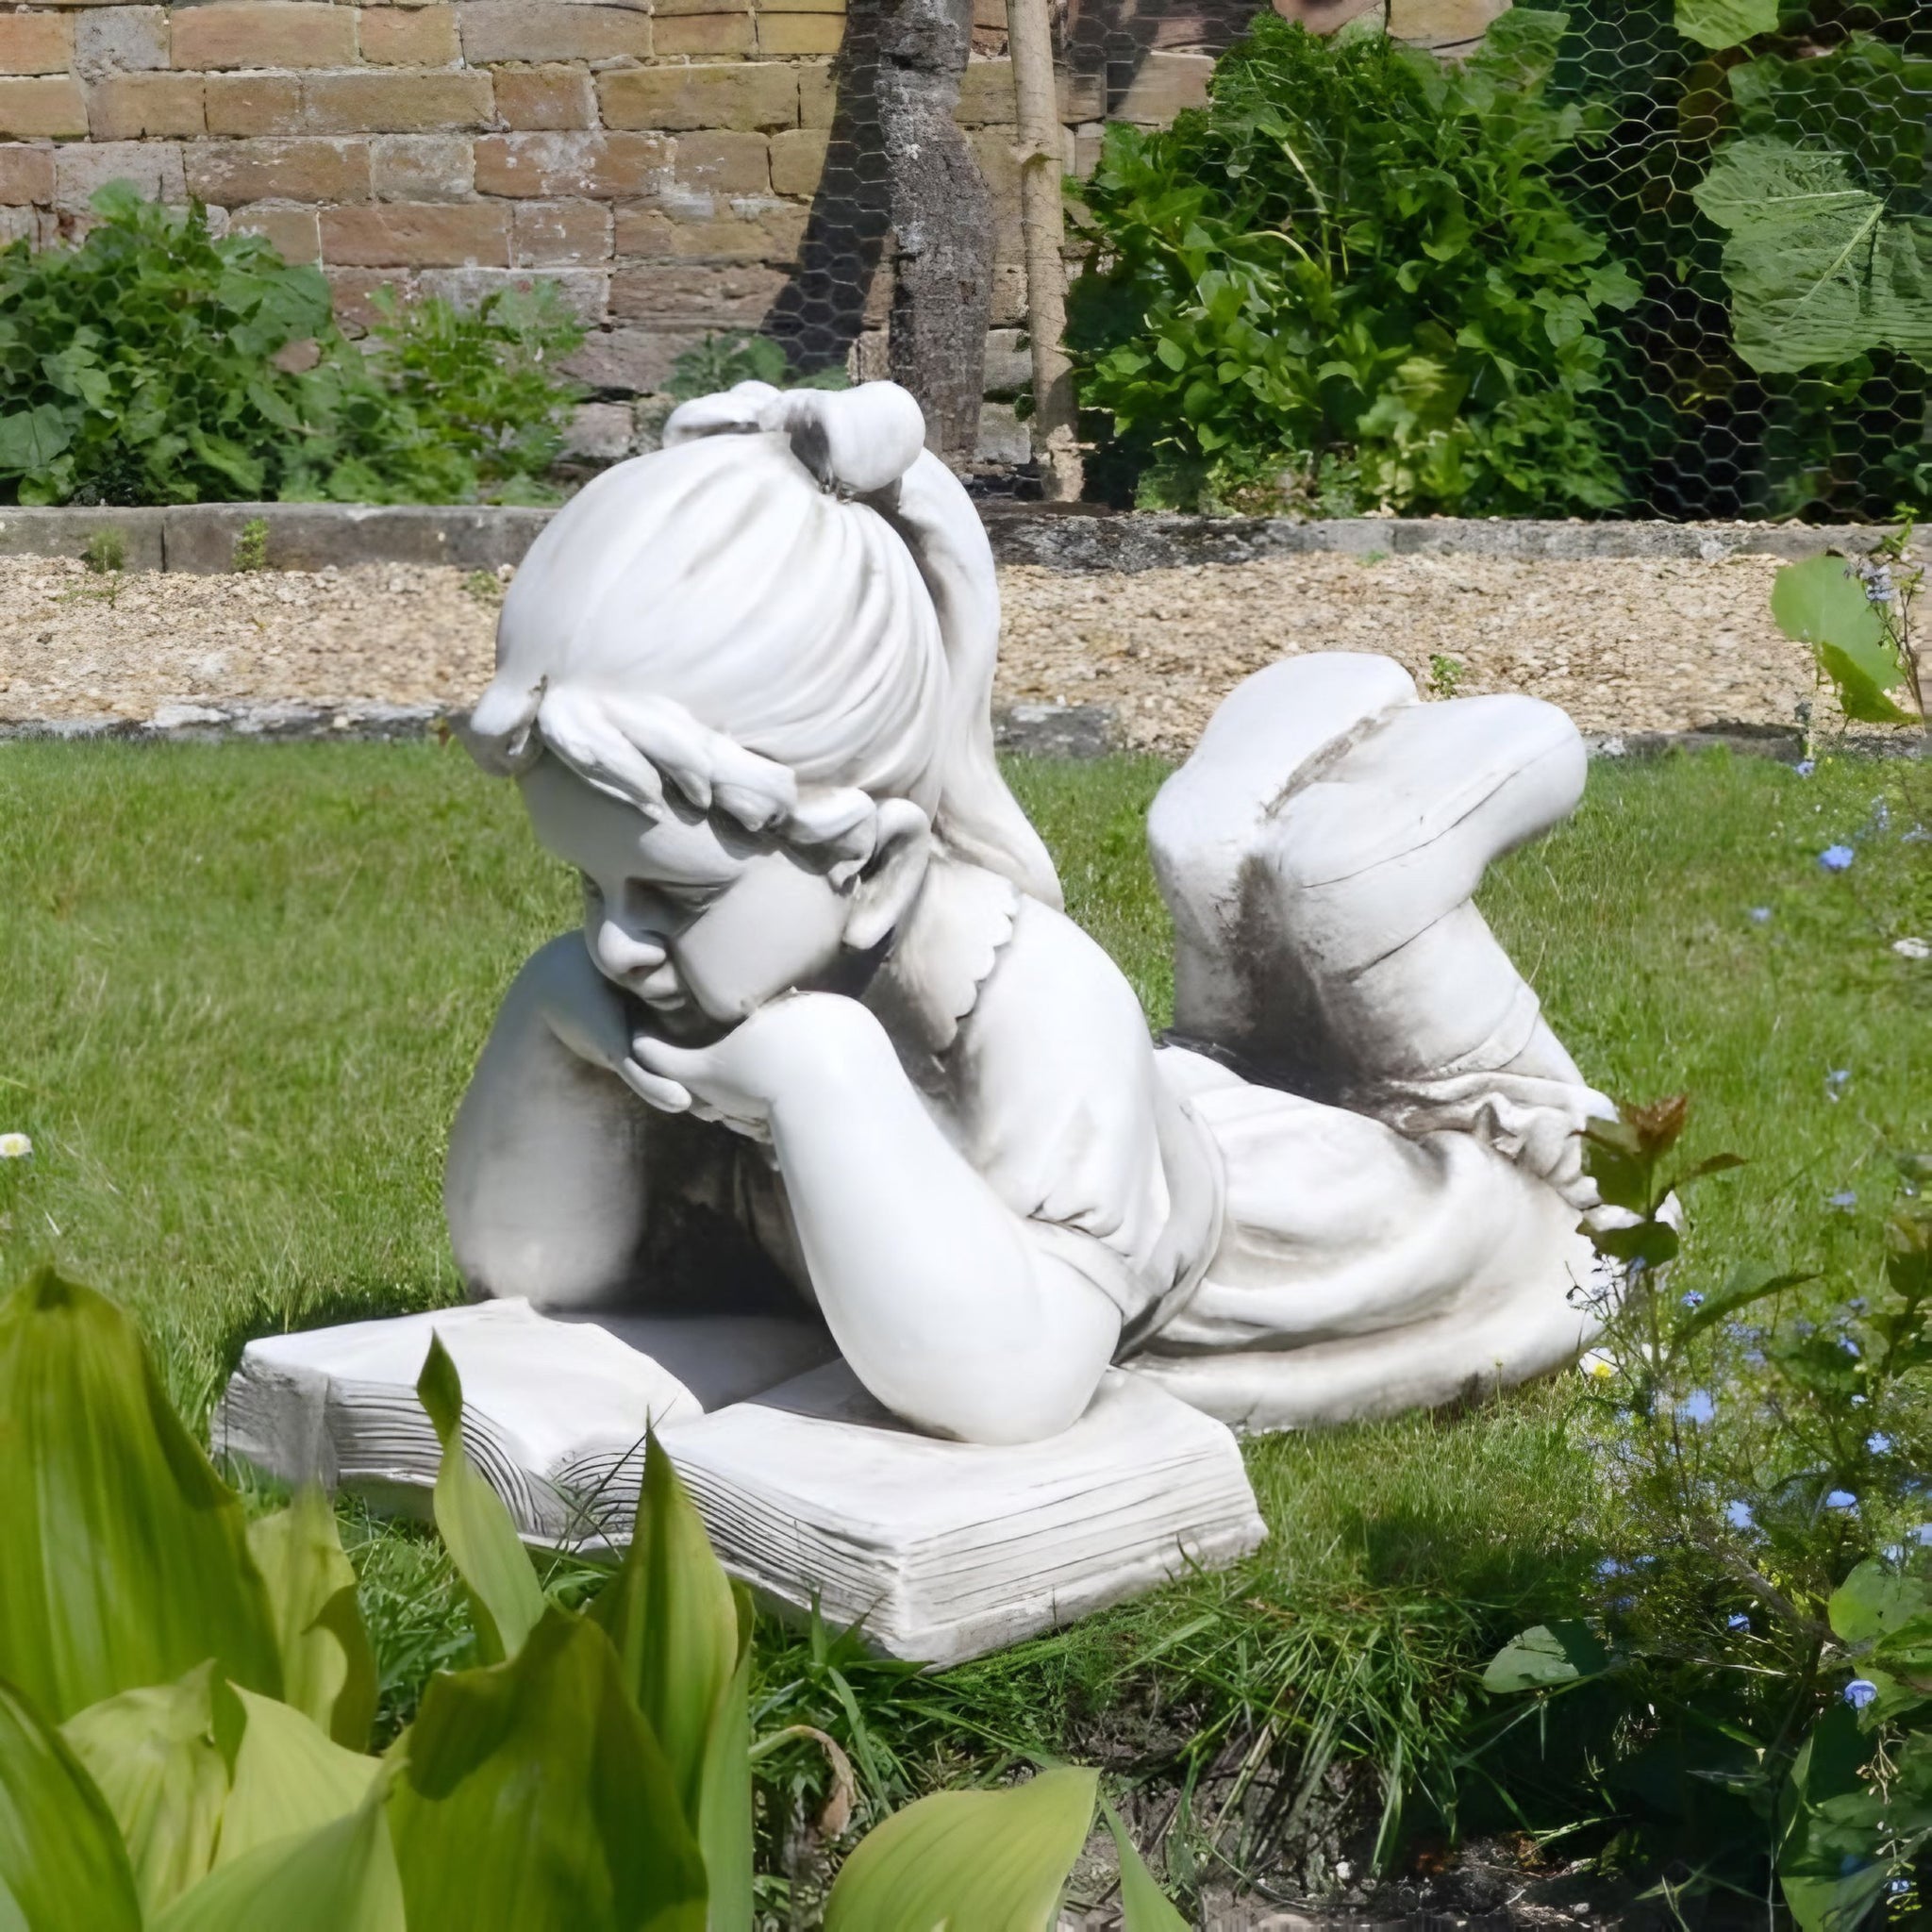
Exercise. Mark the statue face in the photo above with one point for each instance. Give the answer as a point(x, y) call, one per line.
point(697, 919)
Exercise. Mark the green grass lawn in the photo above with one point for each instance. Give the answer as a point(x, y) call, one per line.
point(242, 989)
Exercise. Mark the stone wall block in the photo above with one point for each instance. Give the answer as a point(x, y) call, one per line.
point(417, 235)
point(26, 175)
point(120, 39)
point(709, 35)
point(422, 167)
point(986, 95)
point(732, 95)
point(264, 33)
point(36, 43)
point(548, 96)
point(353, 292)
point(46, 108)
point(1166, 84)
point(230, 173)
point(295, 231)
point(410, 36)
point(153, 167)
point(601, 432)
point(616, 167)
point(585, 292)
point(123, 106)
point(817, 94)
point(773, 235)
point(635, 359)
point(724, 163)
point(246, 104)
point(735, 296)
point(792, 34)
point(560, 234)
point(396, 101)
point(798, 159)
point(552, 30)
point(1442, 23)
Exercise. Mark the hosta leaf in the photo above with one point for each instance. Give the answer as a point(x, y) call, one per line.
point(288, 1778)
point(340, 1879)
point(533, 1798)
point(970, 1862)
point(1817, 270)
point(328, 1668)
point(475, 1525)
point(156, 1757)
point(1144, 1907)
point(1726, 23)
point(126, 1559)
point(671, 1614)
point(62, 1864)
point(1547, 1655)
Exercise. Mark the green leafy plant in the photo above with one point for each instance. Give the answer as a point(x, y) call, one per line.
point(184, 1703)
point(1857, 617)
point(722, 362)
point(251, 545)
point(156, 363)
point(1348, 284)
point(1756, 1694)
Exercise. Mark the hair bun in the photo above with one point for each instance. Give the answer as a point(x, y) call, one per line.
point(859, 440)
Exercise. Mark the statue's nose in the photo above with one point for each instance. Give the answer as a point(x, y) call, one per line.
point(620, 952)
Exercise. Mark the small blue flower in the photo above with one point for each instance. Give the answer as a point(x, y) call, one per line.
point(1760, 915)
point(1850, 1347)
point(1897, 1886)
point(1623, 1605)
point(1804, 767)
point(1609, 1567)
point(1836, 858)
point(1737, 1621)
point(1694, 1300)
point(1878, 1443)
point(1697, 1408)
point(1860, 1691)
point(1846, 1199)
point(1841, 1499)
point(1741, 1516)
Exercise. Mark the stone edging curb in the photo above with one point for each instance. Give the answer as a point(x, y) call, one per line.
point(321, 536)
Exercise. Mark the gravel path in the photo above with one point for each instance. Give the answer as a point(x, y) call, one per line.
point(1622, 645)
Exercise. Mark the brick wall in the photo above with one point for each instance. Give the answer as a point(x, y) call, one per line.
point(656, 158)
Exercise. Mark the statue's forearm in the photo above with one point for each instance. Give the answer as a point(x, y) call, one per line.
point(936, 1299)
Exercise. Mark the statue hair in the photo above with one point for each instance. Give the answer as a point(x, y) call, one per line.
point(786, 614)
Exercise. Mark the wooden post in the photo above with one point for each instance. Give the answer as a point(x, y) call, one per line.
point(1056, 442)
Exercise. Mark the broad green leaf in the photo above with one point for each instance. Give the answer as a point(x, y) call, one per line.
point(288, 1779)
point(724, 1820)
point(1819, 269)
point(340, 1879)
point(1821, 603)
point(1875, 1600)
point(1726, 23)
point(475, 1525)
point(1861, 695)
point(127, 1559)
point(1545, 1657)
point(533, 1798)
point(1829, 1862)
point(31, 439)
point(62, 1864)
point(328, 1668)
point(671, 1614)
point(968, 1861)
point(159, 1757)
point(1144, 1907)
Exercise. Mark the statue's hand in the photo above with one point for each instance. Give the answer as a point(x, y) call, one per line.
point(581, 1009)
point(793, 1046)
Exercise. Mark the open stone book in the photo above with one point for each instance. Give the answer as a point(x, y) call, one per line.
point(810, 1490)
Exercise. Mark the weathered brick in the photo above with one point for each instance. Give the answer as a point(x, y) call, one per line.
point(1165, 84)
point(583, 289)
point(602, 432)
point(817, 94)
point(35, 43)
point(422, 167)
point(724, 163)
point(410, 36)
point(354, 291)
point(1008, 306)
point(560, 234)
point(402, 102)
point(264, 33)
point(1082, 97)
point(552, 96)
point(229, 172)
point(295, 231)
point(26, 174)
point(783, 7)
point(1439, 22)
point(22, 224)
point(554, 166)
point(126, 105)
point(734, 296)
point(80, 171)
point(40, 110)
point(553, 30)
point(798, 158)
point(252, 102)
point(986, 95)
point(999, 166)
point(988, 15)
point(427, 235)
point(737, 95)
point(705, 33)
point(801, 33)
point(637, 359)
point(120, 39)
point(656, 234)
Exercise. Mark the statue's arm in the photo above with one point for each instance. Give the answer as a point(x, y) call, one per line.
point(544, 1183)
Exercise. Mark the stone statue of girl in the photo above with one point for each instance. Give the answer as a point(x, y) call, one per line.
point(827, 1033)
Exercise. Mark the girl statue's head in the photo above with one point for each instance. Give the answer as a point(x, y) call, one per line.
point(746, 684)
